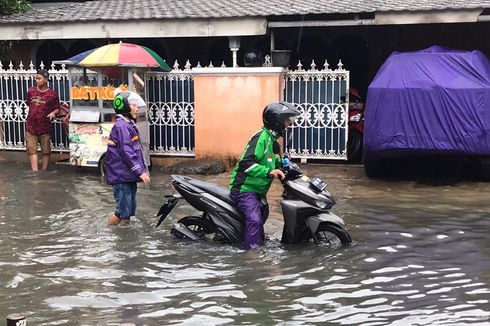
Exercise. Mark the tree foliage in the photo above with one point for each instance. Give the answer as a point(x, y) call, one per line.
point(8, 7)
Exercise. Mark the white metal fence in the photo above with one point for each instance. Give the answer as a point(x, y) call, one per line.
point(14, 84)
point(171, 111)
point(322, 97)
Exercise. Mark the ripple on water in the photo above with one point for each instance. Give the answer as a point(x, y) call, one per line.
point(412, 263)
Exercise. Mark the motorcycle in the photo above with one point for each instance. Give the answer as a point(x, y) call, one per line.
point(356, 127)
point(305, 206)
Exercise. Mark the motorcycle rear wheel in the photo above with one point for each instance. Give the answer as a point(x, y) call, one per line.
point(330, 235)
point(198, 225)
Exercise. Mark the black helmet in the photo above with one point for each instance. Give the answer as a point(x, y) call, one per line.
point(121, 103)
point(275, 113)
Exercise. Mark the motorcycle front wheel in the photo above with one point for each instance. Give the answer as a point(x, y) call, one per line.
point(329, 234)
point(198, 225)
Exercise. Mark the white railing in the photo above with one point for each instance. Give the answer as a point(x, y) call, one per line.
point(322, 96)
point(171, 111)
point(14, 84)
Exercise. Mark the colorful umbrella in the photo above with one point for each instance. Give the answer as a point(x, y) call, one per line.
point(120, 55)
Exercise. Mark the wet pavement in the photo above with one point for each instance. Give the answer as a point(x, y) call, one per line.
point(420, 257)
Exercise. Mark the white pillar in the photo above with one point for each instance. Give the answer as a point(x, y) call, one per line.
point(234, 45)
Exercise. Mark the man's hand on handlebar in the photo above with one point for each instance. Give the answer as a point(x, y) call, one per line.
point(277, 173)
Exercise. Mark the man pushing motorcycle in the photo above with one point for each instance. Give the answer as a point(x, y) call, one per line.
point(256, 169)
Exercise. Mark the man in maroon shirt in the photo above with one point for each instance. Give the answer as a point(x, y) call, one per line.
point(44, 105)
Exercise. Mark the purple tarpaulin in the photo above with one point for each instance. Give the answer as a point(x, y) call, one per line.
point(433, 101)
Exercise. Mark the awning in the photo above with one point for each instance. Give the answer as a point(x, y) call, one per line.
point(394, 18)
point(154, 28)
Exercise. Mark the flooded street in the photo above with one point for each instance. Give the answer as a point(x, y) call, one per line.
point(421, 256)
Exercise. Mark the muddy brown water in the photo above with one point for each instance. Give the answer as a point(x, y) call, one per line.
point(420, 257)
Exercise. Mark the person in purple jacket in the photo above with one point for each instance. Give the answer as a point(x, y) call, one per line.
point(124, 162)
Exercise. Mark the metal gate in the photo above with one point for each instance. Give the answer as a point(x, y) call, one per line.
point(322, 97)
point(170, 98)
point(14, 84)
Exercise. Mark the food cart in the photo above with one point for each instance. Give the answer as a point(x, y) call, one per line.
point(94, 77)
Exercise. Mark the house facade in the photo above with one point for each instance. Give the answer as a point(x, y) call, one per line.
point(361, 34)
point(317, 35)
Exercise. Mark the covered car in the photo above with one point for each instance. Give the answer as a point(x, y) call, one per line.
point(430, 102)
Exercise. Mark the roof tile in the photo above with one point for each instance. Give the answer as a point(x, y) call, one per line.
point(181, 9)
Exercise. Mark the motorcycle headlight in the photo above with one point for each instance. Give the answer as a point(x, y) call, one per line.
point(321, 204)
point(355, 118)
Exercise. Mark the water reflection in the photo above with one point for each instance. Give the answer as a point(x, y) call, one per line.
point(421, 256)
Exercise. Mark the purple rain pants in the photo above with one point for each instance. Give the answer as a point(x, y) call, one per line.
point(255, 210)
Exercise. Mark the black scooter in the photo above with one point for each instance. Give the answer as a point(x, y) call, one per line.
point(305, 208)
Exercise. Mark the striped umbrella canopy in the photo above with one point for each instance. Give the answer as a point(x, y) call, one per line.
point(120, 55)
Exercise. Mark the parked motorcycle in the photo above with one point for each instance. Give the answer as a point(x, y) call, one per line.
point(356, 127)
point(305, 207)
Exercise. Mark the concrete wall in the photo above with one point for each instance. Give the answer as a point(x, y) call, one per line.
point(228, 107)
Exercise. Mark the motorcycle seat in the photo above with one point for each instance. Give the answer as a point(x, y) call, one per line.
point(216, 190)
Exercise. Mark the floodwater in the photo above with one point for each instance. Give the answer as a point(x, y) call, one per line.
point(421, 256)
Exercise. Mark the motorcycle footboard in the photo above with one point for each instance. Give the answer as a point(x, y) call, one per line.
point(183, 232)
point(167, 207)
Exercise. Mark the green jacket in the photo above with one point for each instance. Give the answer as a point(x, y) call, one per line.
point(252, 171)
